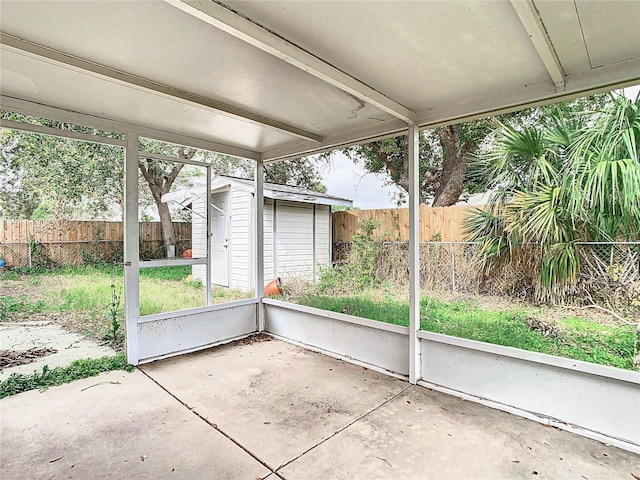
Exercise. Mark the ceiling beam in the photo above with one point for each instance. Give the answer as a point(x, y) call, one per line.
point(26, 107)
point(530, 19)
point(244, 29)
point(157, 88)
point(343, 139)
point(61, 133)
point(598, 80)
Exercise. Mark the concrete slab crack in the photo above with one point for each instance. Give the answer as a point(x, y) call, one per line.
point(213, 425)
point(369, 412)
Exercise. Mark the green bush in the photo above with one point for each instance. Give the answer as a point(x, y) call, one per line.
point(359, 269)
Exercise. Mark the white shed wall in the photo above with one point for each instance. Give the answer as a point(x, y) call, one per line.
point(268, 241)
point(240, 240)
point(290, 250)
point(199, 237)
point(294, 240)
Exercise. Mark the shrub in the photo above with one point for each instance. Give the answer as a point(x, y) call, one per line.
point(359, 269)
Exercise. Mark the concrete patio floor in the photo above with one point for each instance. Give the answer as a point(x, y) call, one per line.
point(273, 410)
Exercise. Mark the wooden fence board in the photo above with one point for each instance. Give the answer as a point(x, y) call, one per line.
point(24, 231)
point(443, 223)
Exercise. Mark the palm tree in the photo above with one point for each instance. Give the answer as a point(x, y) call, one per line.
point(574, 179)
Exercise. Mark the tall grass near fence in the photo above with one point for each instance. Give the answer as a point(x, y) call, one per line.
point(609, 272)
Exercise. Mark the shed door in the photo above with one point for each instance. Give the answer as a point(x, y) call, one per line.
point(220, 239)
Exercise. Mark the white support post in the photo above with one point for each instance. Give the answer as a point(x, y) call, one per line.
point(414, 255)
point(209, 216)
point(131, 247)
point(259, 240)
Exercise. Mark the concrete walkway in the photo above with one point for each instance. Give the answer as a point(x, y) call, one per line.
point(246, 411)
point(20, 337)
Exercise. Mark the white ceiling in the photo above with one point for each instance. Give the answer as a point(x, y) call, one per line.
point(278, 79)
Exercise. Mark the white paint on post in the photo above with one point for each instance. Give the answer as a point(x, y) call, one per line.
point(414, 255)
point(209, 205)
point(259, 240)
point(313, 255)
point(131, 247)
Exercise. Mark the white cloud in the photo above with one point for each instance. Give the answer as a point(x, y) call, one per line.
point(348, 180)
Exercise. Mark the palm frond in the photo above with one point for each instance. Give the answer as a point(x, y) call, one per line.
point(560, 267)
point(488, 228)
point(539, 216)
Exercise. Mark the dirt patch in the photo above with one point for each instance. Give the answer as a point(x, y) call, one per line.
point(26, 289)
point(258, 337)
point(12, 358)
point(545, 328)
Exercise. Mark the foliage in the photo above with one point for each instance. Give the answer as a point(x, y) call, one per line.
point(299, 172)
point(113, 314)
point(359, 269)
point(446, 166)
point(436, 164)
point(10, 306)
point(575, 178)
point(577, 339)
point(18, 382)
point(43, 176)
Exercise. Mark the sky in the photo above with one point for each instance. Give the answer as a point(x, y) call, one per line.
point(367, 190)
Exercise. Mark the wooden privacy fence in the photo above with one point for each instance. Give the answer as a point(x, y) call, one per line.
point(439, 223)
point(54, 231)
point(55, 243)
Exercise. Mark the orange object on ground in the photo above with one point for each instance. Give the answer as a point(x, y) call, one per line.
point(186, 253)
point(273, 287)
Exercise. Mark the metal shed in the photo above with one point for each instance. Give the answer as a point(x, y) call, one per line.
point(297, 231)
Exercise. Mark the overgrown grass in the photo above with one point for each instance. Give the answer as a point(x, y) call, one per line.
point(577, 339)
point(162, 289)
point(86, 293)
point(18, 382)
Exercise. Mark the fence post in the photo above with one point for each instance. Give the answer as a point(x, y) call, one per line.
point(453, 267)
point(30, 262)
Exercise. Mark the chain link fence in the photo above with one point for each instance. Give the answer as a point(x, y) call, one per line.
point(52, 255)
point(609, 272)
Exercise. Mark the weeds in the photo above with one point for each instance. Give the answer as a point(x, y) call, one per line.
point(18, 382)
point(10, 306)
point(359, 269)
point(113, 314)
point(607, 345)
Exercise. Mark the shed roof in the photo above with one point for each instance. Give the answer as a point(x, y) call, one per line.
point(271, 190)
point(278, 79)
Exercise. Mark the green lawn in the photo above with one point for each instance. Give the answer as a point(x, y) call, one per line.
point(82, 299)
point(162, 289)
point(574, 338)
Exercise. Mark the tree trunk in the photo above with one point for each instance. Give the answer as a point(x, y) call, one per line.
point(160, 178)
point(454, 166)
point(168, 232)
point(400, 176)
